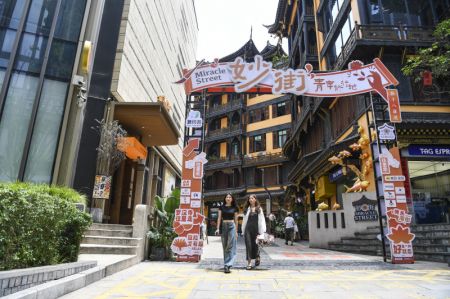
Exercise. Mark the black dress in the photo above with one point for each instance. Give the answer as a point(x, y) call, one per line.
point(250, 234)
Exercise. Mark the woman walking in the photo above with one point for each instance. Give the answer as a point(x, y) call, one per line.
point(228, 216)
point(254, 224)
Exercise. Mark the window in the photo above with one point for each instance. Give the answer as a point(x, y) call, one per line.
point(258, 114)
point(257, 143)
point(280, 109)
point(279, 138)
point(235, 148)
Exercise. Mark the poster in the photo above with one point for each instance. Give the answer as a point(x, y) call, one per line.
point(102, 186)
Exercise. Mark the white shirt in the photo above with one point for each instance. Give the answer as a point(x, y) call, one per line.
point(289, 222)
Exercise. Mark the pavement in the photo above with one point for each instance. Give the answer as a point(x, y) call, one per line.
point(285, 272)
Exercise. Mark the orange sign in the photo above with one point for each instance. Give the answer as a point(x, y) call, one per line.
point(394, 106)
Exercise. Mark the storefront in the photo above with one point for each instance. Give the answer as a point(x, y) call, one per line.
point(428, 167)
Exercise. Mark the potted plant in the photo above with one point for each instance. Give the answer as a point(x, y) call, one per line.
point(161, 233)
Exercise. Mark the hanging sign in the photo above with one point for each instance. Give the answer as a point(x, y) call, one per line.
point(244, 76)
point(188, 219)
point(386, 133)
point(398, 224)
point(194, 119)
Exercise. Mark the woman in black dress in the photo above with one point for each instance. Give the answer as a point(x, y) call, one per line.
point(254, 224)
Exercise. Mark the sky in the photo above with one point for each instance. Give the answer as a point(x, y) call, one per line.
point(224, 25)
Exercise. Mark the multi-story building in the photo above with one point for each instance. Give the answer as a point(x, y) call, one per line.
point(244, 137)
point(66, 65)
point(329, 34)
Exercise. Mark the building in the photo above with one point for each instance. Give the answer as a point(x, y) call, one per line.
point(243, 141)
point(66, 65)
point(329, 34)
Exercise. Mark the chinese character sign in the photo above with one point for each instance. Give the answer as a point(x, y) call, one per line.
point(188, 218)
point(357, 79)
point(399, 234)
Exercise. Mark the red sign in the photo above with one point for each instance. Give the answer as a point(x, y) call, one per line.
point(399, 220)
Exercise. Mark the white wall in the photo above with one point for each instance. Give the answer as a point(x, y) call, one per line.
point(319, 237)
point(158, 39)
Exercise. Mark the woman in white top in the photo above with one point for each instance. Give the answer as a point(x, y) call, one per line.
point(253, 225)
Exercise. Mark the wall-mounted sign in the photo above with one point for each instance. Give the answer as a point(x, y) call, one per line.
point(365, 209)
point(102, 186)
point(429, 150)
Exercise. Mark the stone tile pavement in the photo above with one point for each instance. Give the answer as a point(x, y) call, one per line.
point(286, 272)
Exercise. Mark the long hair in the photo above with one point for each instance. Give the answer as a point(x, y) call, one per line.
point(233, 201)
point(257, 204)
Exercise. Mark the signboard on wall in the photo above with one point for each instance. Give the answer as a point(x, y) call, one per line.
point(365, 209)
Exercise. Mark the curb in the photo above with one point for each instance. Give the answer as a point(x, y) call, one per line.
point(60, 287)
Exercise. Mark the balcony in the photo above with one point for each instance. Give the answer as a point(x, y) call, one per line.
point(214, 191)
point(223, 162)
point(223, 133)
point(383, 35)
point(222, 109)
point(264, 159)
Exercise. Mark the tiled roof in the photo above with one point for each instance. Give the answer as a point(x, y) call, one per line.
point(279, 18)
point(247, 52)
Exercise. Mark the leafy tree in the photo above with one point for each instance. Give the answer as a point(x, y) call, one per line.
point(435, 58)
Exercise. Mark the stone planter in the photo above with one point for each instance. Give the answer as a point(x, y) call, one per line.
point(158, 254)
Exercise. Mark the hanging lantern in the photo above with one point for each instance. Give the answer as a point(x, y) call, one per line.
point(427, 77)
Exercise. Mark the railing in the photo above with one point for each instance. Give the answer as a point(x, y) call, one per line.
point(267, 158)
point(223, 162)
point(216, 110)
point(223, 133)
point(386, 34)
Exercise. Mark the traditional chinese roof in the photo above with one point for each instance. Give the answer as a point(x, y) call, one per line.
point(270, 51)
point(247, 52)
point(278, 27)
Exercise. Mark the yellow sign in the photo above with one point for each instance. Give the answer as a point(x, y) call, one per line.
point(86, 56)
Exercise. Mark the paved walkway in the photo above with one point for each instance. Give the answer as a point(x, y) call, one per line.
point(286, 272)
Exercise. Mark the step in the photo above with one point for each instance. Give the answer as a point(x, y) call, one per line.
point(431, 248)
point(431, 241)
point(432, 256)
point(101, 240)
point(358, 241)
point(433, 234)
point(111, 226)
point(367, 236)
point(364, 252)
point(108, 233)
point(430, 227)
point(107, 249)
point(355, 248)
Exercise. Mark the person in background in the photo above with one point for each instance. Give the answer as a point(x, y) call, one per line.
point(254, 224)
point(228, 214)
point(289, 224)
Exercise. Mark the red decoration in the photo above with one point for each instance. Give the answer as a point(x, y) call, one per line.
point(427, 78)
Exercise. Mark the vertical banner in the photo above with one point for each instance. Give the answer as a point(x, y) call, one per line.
point(188, 245)
point(395, 199)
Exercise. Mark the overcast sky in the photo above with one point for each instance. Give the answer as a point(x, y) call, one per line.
point(224, 25)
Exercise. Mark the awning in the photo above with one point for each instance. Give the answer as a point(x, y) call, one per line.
point(150, 121)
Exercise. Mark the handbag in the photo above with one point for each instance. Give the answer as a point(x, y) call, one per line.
point(265, 239)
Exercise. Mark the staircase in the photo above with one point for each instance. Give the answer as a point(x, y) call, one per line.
point(109, 239)
point(432, 242)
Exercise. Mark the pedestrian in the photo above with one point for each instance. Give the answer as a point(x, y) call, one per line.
point(289, 224)
point(227, 227)
point(254, 224)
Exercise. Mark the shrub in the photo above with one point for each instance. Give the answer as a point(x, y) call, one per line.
point(39, 225)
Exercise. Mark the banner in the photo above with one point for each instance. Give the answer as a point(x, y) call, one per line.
point(188, 245)
point(358, 79)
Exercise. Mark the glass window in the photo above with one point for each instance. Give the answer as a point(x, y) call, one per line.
point(46, 132)
point(6, 41)
point(40, 16)
point(394, 12)
point(2, 77)
point(259, 143)
point(351, 21)
point(14, 123)
point(10, 13)
point(60, 62)
point(279, 109)
point(31, 53)
point(345, 32)
point(279, 138)
point(69, 19)
point(334, 11)
point(235, 148)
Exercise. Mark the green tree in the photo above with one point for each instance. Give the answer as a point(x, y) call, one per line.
point(435, 58)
